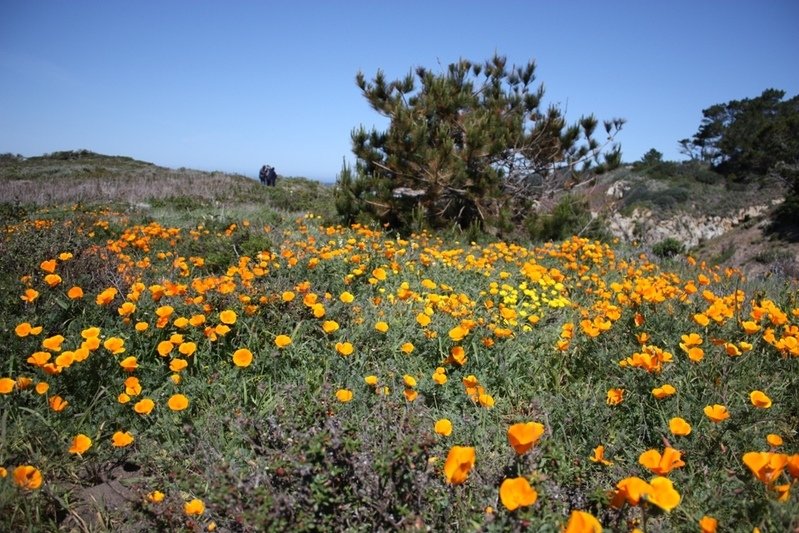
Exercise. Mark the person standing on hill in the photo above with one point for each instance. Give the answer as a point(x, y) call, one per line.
point(267, 175)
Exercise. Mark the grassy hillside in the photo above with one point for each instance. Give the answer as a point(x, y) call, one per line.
point(213, 361)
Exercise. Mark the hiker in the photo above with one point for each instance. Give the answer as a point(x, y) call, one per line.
point(267, 175)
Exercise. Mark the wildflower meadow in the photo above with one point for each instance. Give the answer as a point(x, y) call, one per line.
point(237, 373)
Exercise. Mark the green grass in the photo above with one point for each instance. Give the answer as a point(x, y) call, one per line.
point(270, 447)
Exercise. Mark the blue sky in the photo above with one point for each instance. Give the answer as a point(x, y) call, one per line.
point(233, 85)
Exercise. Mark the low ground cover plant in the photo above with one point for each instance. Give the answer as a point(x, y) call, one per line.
point(240, 376)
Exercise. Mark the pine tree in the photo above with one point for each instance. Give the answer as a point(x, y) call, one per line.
point(469, 146)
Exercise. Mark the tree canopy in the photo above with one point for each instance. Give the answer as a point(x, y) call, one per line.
point(472, 145)
point(752, 136)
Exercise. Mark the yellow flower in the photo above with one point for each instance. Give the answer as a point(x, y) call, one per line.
point(370, 380)
point(409, 380)
point(517, 492)
point(178, 402)
point(195, 507)
point(346, 297)
point(344, 348)
point(242, 357)
point(407, 348)
point(460, 461)
point(423, 320)
point(582, 522)
point(716, 413)
point(287, 296)
point(443, 427)
point(759, 399)
point(381, 326)
point(344, 395)
point(129, 364)
point(281, 341)
point(27, 477)
point(121, 439)
point(663, 494)
point(132, 386)
point(679, 427)
point(156, 496)
point(24, 329)
point(227, 317)
point(523, 436)
point(80, 444)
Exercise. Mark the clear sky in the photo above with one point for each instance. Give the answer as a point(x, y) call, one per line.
point(218, 85)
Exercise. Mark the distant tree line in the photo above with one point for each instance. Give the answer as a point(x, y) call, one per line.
point(747, 139)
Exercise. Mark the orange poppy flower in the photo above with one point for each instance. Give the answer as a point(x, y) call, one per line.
point(599, 456)
point(344, 348)
point(517, 492)
point(774, 440)
point(661, 464)
point(156, 496)
point(664, 391)
point(27, 477)
point(106, 297)
point(75, 293)
point(344, 395)
point(57, 403)
point(708, 524)
point(443, 427)
point(115, 345)
point(121, 439)
point(346, 297)
point(187, 348)
point(132, 386)
point(7, 385)
point(29, 295)
point(407, 348)
point(615, 396)
point(460, 461)
point(582, 522)
point(679, 427)
point(195, 507)
point(766, 466)
point(716, 413)
point(228, 317)
point(80, 444)
point(178, 402)
point(423, 320)
point(242, 358)
point(144, 407)
point(53, 343)
point(281, 341)
point(52, 280)
point(759, 399)
point(48, 265)
point(129, 364)
point(176, 365)
point(523, 436)
point(663, 494)
point(458, 333)
point(329, 326)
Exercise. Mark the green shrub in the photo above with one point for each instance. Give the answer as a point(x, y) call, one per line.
point(668, 248)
